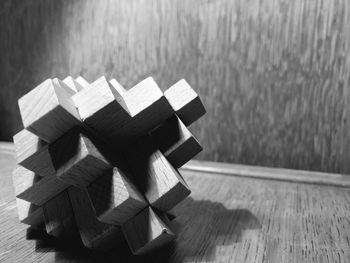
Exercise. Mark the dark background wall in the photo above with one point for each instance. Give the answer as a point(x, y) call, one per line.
point(273, 75)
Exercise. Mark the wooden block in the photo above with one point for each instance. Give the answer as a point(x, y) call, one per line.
point(147, 231)
point(116, 85)
point(32, 153)
point(176, 142)
point(59, 217)
point(48, 110)
point(160, 182)
point(34, 188)
point(77, 160)
point(94, 234)
point(29, 214)
point(185, 102)
point(147, 105)
point(115, 198)
point(73, 84)
point(82, 82)
point(122, 116)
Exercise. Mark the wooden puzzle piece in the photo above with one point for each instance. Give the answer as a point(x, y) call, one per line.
point(94, 234)
point(59, 217)
point(32, 153)
point(85, 179)
point(120, 115)
point(73, 84)
point(147, 231)
point(82, 82)
point(176, 142)
point(48, 110)
point(76, 159)
point(117, 87)
point(29, 214)
point(185, 102)
point(160, 182)
point(34, 188)
point(115, 198)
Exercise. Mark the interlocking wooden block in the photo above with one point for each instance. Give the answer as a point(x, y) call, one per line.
point(160, 182)
point(185, 102)
point(59, 217)
point(77, 160)
point(147, 231)
point(74, 85)
point(176, 142)
point(29, 213)
point(48, 110)
point(32, 153)
point(100, 161)
point(34, 188)
point(94, 234)
point(115, 198)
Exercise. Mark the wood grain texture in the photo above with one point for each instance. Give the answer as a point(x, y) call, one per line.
point(273, 75)
point(226, 219)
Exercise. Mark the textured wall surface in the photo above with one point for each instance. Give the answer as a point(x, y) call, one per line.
point(273, 74)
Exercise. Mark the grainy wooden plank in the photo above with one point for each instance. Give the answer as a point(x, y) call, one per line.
point(147, 231)
point(273, 75)
point(115, 198)
point(269, 173)
point(176, 142)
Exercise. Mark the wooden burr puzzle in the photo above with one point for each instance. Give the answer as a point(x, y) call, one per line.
point(101, 162)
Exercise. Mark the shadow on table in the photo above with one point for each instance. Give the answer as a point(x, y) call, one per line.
point(201, 226)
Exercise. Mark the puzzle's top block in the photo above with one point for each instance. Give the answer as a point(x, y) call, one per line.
point(83, 83)
point(48, 110)
point(120, 115)
point(185, 102)
point(73, 84)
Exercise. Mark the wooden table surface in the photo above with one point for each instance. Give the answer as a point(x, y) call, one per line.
point(235, 214)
